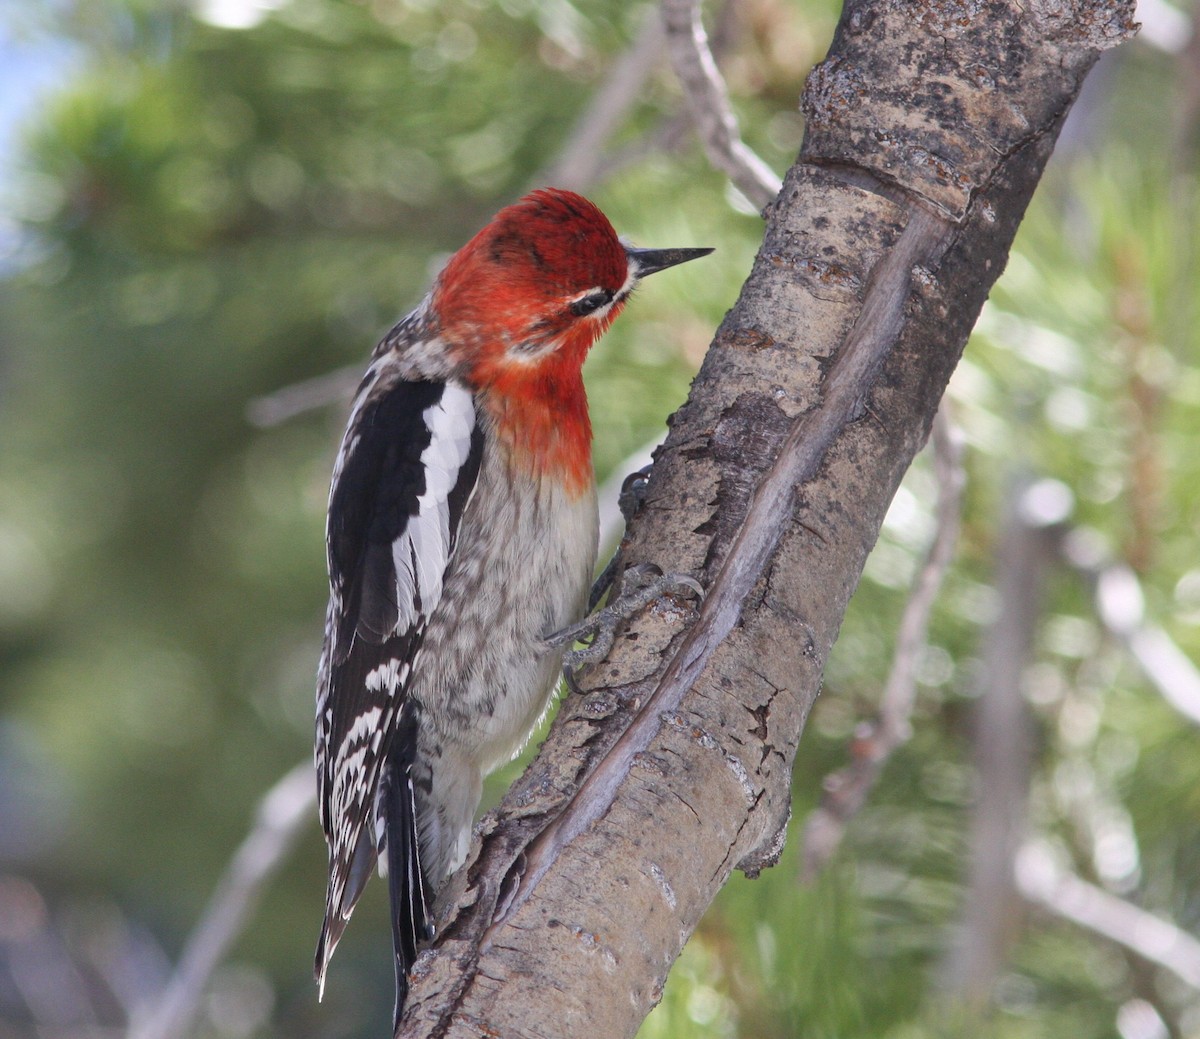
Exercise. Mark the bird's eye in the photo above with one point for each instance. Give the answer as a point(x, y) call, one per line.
point(591, 302)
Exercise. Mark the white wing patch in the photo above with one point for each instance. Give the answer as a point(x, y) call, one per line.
point(422, 552)
point(390, 676)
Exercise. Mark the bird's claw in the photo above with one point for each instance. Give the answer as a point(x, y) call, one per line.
point(633, 492)
point(640, 586)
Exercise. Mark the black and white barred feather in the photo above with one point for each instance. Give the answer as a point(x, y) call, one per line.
point(406, 469)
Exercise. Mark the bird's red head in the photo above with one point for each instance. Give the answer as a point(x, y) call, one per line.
point(519, 306)
point(537, 286)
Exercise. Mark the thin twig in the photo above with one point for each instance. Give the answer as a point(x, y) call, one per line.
point(282, 813)
point(675, 128)
point(708, 99)
point(581, 162)
point(1042, 880)
point(846, 791)
point(1120, 606)
point(273, 409)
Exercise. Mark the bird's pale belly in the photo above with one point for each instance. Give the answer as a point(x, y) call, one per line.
point(484, 675)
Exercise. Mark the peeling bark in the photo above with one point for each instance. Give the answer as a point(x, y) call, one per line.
point(928, 126)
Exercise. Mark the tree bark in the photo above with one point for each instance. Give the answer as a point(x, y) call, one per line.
point(928, 126)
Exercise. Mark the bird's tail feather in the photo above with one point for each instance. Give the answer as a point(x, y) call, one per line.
point(411, 923)
point(339, 907)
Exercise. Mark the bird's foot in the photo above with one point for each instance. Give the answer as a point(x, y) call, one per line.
point(640, 586)
point(633, 493)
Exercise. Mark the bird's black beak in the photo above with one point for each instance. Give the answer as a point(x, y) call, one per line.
point(651, 261)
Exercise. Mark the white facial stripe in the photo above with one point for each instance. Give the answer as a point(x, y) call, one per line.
point(627, 286)
point(533, 351)
point(586, 292)
point(631, 279)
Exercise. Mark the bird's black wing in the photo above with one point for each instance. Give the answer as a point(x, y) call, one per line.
point(407, 467)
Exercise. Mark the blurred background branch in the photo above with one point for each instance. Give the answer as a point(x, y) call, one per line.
point(1046, 883)
point(1120, 606)
point(309, 395)
point(580, 163)
point(1003, 740)
point(843, 793)
point(282, 815)
point(708, 104)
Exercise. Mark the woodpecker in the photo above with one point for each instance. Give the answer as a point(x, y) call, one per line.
point(461, 537)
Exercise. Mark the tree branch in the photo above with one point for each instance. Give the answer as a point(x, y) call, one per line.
point(708, 101)
point(1121, 608)
point(848, 383)
point(1041, 880)
point(282, 813)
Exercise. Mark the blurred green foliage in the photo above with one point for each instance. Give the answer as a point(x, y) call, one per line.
point(210, 214)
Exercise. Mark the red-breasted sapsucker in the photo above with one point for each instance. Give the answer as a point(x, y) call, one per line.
point(461, 534)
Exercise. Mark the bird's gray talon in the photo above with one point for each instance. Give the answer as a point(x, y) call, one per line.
point(606, 581)
point(568, 674)
point(682, 581)
point(649, 585)
point(597, 651)
point(633, 492)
